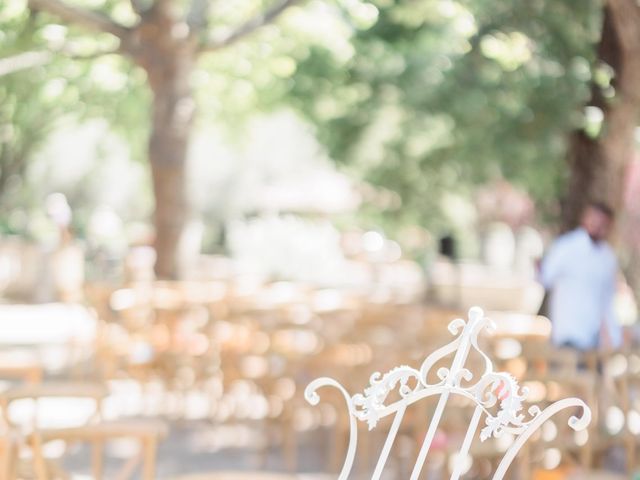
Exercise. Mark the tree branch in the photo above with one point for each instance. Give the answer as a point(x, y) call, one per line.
point(139, 6)
point(248, 27)
point(23, 61)
point(27, 60)
point(69, 52)
point(79, 16)
point(625, 15)
point(197, 15)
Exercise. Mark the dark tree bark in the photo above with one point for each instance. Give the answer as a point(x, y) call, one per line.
point(597, 165)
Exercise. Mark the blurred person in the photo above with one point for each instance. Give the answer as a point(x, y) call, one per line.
point(67, 260)
point(59, 211)
point(579, 273)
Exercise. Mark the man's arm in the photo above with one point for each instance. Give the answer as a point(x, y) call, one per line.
point(551, 265)
point(611, 330)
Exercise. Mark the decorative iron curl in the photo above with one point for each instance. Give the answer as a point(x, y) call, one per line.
point(372, 401)
point(311, 395)
point(491, 389)
point(576, 423)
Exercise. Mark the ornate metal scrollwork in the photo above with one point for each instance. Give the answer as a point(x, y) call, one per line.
point(411, 385)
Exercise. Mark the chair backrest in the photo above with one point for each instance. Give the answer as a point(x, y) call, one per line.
point(496, 396)
point(54, 404)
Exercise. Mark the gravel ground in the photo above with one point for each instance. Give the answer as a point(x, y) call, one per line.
point(200, 447)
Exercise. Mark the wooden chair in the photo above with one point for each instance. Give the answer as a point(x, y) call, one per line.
point(164, 337)
point(497, 399)
point(550, 373)
point(21, 366)
point(9, 445)
point(619, 412)
point(39, 428)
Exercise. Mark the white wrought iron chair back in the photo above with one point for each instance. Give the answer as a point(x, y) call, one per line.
point(485, 393)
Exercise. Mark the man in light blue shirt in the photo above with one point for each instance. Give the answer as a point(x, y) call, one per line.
point(579, 272)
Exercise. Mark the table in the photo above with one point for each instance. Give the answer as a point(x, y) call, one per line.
point(56, 334)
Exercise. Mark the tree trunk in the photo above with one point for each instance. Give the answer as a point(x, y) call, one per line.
point(169, 61)
point(165, 43)
point(173, 109)
point(597, 165)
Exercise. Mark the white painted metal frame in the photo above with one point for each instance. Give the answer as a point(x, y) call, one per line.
point(485, 393)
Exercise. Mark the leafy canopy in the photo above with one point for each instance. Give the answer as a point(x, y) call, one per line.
point(417, 98)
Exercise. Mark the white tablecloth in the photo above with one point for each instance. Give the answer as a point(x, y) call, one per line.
point(45, 324)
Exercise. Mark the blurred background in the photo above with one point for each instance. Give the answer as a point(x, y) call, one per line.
point(204, 205)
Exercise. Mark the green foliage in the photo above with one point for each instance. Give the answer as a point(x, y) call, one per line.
point(441, 95)
point(64, 88)
point(416, 97)
point(27, 109)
